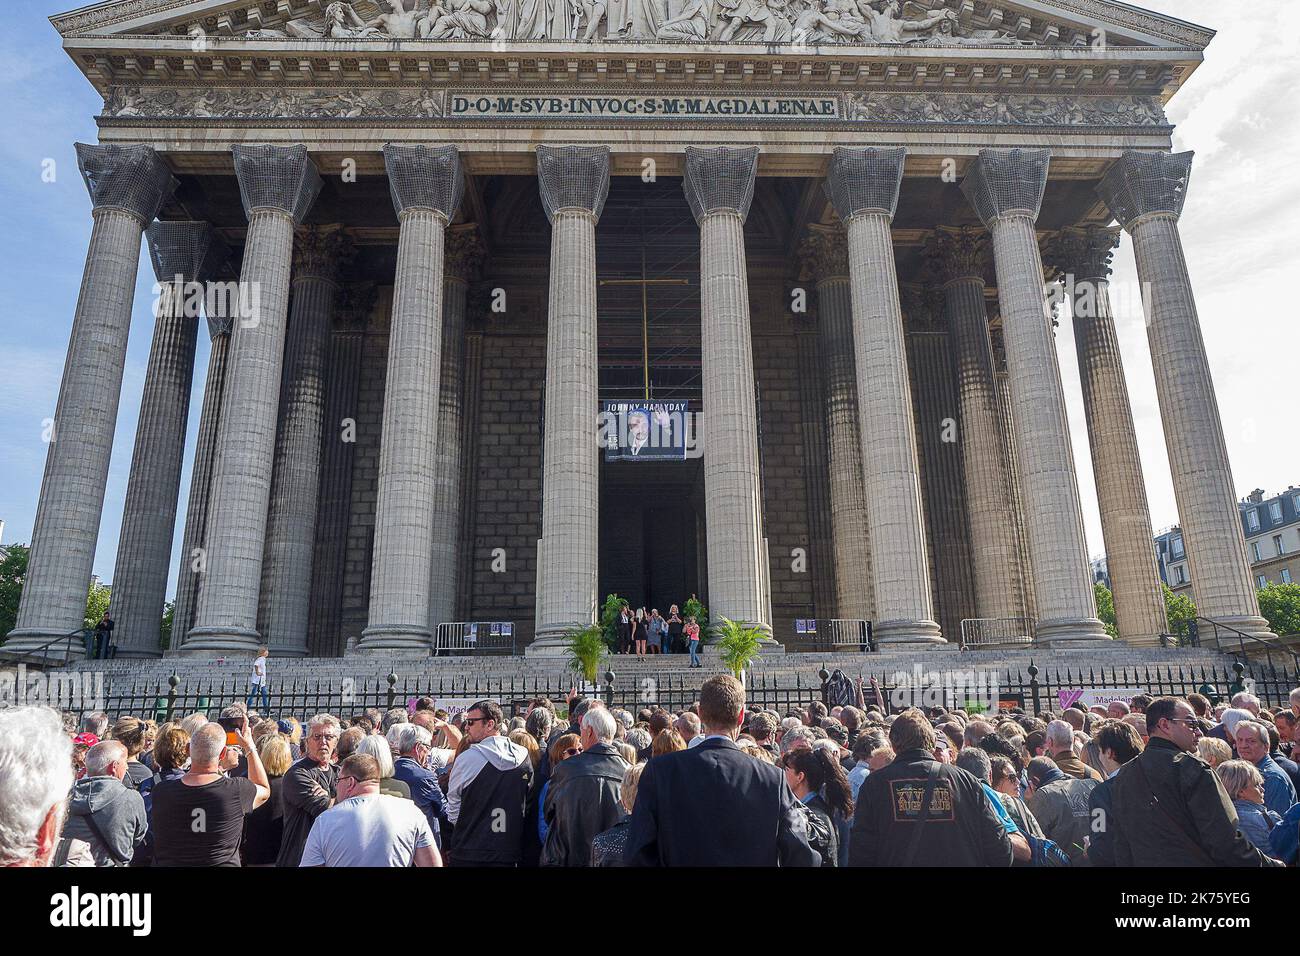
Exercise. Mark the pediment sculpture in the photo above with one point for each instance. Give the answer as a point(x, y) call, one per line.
point(719, 21)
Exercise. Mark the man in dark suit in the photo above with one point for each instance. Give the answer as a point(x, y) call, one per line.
point(713, 805)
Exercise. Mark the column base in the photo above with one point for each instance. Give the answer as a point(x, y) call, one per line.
point(1141, 640)
point(1248, 623)
point(25, 641)
point(1083, 632)
point(386, 638)
point(908, 632)
point(227, 641)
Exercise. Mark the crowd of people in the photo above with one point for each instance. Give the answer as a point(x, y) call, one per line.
point(643, 632)
point(1162, 781)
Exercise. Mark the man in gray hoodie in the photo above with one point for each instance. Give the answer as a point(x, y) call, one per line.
point(102, 811)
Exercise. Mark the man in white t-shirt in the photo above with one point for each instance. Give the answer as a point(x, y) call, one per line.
point(257, 681)
point(367, 828)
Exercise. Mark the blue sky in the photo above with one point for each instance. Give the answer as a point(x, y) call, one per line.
point(1241, 230)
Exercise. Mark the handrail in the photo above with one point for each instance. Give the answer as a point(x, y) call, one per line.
point(40, 651)
point(1242, 637)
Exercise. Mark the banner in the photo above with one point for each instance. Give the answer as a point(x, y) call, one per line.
point(1096, 696)
point(646, 431)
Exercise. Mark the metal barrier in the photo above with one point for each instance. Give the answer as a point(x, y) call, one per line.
point(835, 634)
point(977, 632)
point(467, 638)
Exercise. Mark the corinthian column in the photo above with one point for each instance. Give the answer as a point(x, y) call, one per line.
point(826, 260)
point(1006, 189)
point(574, 181)
point(959, 258)
point(1146, 191)
point(183, 253)
point(278, 186)
point(719, 187)
point(464, 251)
point(427, 186)
point(1083, 257)
point(127, 185)
point(295, 482)
point(863, 186)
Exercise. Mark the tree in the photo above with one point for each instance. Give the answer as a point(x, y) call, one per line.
point(1280, 605)
point(13, 568)
point(168, 618)
point(737, 645)
point(609, 619)
point(97, 603)
point(693, 608)
point(1180, 610)
point(586, 647)
point(1106, 608)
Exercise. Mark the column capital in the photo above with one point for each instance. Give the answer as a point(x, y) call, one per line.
point(320, 251)
point(573, 177)
point(865, 180)
point(1146, 184)
point(1084, 251)
point(134, 179)
point(191, 250)
point(425, 177)
point(954, 253)
point(353, 305)
point(720, 180)
point(276, 177)
point(464, 253)
point(1007, 182)
point(824, 254)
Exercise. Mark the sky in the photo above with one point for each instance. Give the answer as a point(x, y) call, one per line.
point(1241, 233)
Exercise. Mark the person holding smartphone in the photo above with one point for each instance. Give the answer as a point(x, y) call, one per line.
point(692, 631)
point(257, 681)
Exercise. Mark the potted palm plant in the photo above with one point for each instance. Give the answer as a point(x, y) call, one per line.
point(737, 646)
point(586, 647)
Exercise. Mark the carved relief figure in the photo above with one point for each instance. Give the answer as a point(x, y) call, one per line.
point(734, 14)
point(343, 23)
point(691, 24)
point(405, 20)
point(459, 20)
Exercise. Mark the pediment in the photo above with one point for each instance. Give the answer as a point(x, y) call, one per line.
point(980, 24)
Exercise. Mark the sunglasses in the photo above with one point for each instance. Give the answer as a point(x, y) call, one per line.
point(475, 720)
point(573, 751)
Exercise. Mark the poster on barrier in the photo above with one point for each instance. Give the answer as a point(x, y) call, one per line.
point(1096, 696)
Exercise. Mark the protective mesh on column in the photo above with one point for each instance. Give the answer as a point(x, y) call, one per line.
point(865, 180)
point(134, 178)
point(425, 177)
point(1002, 181)
point(1143, 183)
point(192, 250)
point(277, 177)
point(721, 178)
point(573, 177)
point(221, 306)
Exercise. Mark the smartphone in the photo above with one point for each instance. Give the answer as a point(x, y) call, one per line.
point(230, 725)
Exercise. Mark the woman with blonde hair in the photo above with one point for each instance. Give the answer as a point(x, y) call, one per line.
point(667, 741)
point(1245, 786)
point(607, 847)
point(1213, 751)
point(378, 747)
point(265, 825)
point(526, 740)
point(130, 733)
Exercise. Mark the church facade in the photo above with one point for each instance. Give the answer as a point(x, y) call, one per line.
point(443, 252)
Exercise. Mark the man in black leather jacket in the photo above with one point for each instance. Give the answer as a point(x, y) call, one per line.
point(582, 799)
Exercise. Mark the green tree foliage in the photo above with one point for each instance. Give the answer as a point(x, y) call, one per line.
point(609, 619)
point(1180, 611)
point(1106, 608)
point(1280, 605)
point(168, 618)
point(97, 603)
point(13, 568)
point(737, 645)
point(693, 608)
point(586, 647)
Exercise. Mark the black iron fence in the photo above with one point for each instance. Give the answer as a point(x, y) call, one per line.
point(1035, 689)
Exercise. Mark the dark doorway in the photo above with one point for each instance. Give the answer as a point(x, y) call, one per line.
point(651, 523)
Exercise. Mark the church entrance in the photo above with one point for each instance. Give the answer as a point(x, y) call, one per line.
point(651, 509)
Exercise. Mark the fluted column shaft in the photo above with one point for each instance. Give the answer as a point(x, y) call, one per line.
point(446, 556)
point(989, 509)
point(127, 185)
point(574, 182)
point(149, 515)
point(1116, 464)
point(399, 586)
point(1006, 188)
point(191, 569)
point(279, 185)
point(864, 186)
point(295, 482)
point(1146, 193)
point(719, 185)
point(826, 259)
